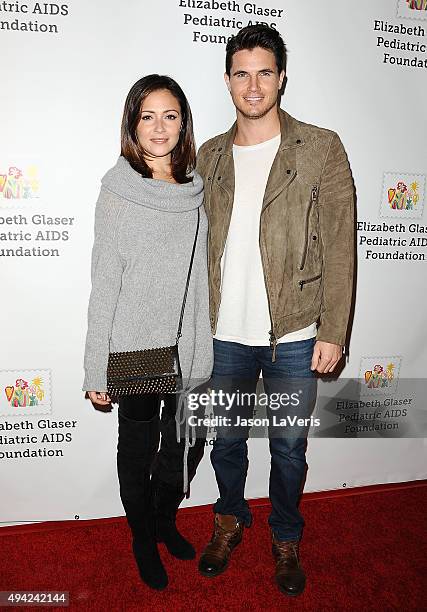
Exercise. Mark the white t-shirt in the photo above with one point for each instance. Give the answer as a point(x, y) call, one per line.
point(243, 314)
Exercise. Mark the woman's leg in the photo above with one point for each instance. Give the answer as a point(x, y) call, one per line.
point(138, 442)
point(167, 480)
point(140, 407)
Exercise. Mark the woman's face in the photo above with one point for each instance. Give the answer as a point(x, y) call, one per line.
point(159, 127)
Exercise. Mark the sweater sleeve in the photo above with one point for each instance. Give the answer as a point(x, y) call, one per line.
point(106, 273)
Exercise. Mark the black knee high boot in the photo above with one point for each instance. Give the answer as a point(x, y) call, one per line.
point(166, 500)
point(137, 446)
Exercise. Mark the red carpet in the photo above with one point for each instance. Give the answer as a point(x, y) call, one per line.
point(361, 552)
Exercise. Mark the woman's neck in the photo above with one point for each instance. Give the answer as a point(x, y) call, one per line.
point(161, 169)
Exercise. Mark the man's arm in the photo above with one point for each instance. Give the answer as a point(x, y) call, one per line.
point(336, 217)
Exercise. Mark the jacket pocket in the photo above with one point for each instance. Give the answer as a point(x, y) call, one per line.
point(313, 201)
point(307, 281)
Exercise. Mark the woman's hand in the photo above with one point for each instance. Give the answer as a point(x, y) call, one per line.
point(100, 398)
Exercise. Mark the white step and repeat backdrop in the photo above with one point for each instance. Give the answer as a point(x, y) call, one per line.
point(356, 67)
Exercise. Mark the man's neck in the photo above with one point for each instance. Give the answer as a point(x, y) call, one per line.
point(254, 131)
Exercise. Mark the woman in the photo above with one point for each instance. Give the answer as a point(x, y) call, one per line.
point(145, 226)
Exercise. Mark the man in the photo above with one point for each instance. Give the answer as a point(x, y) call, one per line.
point(279, 197)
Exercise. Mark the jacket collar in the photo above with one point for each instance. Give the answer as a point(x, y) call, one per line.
point(289, 128)
point(283, 170)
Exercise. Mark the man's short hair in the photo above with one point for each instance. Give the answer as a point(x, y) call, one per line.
point(257, 36)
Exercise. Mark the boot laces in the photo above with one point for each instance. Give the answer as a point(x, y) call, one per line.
point(220, 541)
point(287, 552)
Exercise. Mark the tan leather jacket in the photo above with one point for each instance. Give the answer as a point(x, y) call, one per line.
point(306, 236)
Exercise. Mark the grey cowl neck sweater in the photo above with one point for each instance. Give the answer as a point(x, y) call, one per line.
point(126, 183)
point(144, 233)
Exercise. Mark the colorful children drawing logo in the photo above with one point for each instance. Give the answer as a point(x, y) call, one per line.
point(379, 377)
point(417, 5)
point(24, 394)
point(403, 198)
point(412, 9)
point(16, 184)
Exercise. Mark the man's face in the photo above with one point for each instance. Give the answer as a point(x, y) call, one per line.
point(254, 82)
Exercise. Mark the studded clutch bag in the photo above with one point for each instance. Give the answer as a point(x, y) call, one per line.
point(154, 370)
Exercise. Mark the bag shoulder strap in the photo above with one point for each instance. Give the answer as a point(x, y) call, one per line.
point(178, 336)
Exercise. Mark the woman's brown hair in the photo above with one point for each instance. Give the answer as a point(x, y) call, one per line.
point(183, 158)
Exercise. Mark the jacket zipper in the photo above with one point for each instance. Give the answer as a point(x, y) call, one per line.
point(272, 337)
point(212, 172)
point(301, 283)
point(273, 343)
point(313, 200)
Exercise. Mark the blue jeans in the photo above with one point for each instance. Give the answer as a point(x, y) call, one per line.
point(237, 366)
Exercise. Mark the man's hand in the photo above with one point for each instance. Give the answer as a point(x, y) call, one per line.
point(325, 356)
point(102, 399)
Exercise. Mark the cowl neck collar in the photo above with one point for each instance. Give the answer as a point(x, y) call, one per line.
point(128, 184)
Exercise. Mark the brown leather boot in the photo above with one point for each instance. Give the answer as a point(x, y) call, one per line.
point(290, 576)
point(227, 534)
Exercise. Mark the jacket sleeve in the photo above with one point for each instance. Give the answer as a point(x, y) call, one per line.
point(106, 273)
point(336, 216)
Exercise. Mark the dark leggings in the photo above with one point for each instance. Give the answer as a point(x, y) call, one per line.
point(167, 465)
point(144, 407)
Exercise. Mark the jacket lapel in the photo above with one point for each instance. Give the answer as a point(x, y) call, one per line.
point(224, 174)
point(283, 169)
